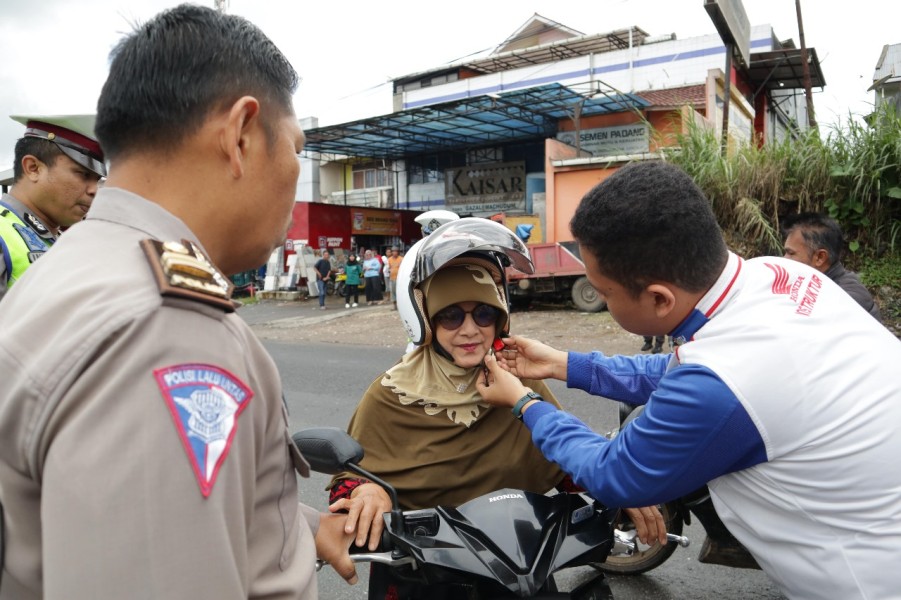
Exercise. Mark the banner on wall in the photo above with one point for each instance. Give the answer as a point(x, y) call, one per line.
point(610, 141)
point(374, 222)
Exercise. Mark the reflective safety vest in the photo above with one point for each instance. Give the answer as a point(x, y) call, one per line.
point(21, 246)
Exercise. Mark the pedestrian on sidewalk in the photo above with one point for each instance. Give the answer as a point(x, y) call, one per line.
point(323, 268)
point(394, 260)
point(372, 274)
point(383, 258)
point(353, 270)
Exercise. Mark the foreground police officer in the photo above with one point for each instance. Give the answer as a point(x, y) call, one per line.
point(58, 164)
point(144, 450)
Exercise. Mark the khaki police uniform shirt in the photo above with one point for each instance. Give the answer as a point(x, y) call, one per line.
point(101, 466)
point(39, 227)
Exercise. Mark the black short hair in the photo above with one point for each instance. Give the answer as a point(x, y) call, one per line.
point(168, 76)
point(44, 150)
point(649, 222)
point(819, 231)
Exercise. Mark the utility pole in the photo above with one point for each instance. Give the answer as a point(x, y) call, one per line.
point(727, 98)
point(805, 69)
point(222, 6)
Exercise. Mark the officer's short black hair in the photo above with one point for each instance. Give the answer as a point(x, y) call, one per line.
point(649, 222)
point(168, 76)
point(44, 151)
point(819, 231)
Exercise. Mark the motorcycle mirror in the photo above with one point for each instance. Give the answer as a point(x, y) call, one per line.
point(329, 450)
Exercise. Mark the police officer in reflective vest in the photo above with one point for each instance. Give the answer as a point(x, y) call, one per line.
point(58, 164)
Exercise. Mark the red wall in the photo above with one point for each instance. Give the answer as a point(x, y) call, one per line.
point(313, 220)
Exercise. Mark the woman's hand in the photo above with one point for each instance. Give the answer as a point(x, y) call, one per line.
point(364, 509)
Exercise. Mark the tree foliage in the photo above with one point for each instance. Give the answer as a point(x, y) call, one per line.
point(853, 174)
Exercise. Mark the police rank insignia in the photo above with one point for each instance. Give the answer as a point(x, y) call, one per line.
point(36, 224)
point(205, 402)
point(183, 270)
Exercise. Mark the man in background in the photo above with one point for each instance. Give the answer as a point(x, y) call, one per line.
point(323, 268)
point(394, 260)
point(817, 240)
point(58, 164)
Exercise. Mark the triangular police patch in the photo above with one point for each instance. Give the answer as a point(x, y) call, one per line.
point(205, 402)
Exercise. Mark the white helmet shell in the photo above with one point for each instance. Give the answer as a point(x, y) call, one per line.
point(431, 220)
point(470, 236)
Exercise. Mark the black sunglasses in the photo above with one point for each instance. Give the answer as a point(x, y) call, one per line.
point(452, 317)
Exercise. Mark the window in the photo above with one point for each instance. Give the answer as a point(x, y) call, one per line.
point(370, 175)
point(485, 155)
point(430, 168)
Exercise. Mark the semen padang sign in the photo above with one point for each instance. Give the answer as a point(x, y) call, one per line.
point(486, 188)
point(610, 141)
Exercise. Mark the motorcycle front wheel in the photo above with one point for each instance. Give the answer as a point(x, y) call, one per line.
point(644, 558)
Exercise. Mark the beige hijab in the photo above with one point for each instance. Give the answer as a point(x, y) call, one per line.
point(427, 378)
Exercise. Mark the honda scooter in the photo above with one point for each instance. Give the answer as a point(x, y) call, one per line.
point(505, 544)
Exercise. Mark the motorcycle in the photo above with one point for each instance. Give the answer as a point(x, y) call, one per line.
point(335, 285)
point(505, 544)
point(720, 547)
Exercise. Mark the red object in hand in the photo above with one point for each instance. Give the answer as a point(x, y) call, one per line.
point(498, 344)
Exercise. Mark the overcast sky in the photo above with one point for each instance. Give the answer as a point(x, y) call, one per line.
point(55, 52)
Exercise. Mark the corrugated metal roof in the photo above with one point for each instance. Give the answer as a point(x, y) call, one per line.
point(783, 69)
point(888, 69)
point(692, 95)
point(473, 122)
point(581, 45)
point(559, 50)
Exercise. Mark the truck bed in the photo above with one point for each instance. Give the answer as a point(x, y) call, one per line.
point(552, 259)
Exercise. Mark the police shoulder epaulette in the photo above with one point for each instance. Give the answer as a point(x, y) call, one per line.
point(182, 270)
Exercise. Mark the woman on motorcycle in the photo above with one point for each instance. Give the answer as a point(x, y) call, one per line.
point(422, 424)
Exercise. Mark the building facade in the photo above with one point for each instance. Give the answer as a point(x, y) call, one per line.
point(505, 134)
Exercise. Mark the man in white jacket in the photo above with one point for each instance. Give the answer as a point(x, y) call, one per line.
point(781, 393)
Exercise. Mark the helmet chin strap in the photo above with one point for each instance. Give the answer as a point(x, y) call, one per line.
point(439, 349)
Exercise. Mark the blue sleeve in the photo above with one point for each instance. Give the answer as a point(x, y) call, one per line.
point(692, 430)
point(6, 273)
point(629, 379)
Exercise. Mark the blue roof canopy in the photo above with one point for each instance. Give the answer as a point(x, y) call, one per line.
point(472, 122)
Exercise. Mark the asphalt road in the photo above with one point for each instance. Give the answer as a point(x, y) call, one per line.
point(323, 383)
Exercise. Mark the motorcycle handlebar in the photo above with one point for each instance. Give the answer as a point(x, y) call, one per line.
point(624, 543)
point(384, 558)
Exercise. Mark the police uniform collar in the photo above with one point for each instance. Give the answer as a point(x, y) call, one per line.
point(117, 205)
point(35, 223)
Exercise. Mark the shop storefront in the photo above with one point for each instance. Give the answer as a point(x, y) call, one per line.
point(342, 229)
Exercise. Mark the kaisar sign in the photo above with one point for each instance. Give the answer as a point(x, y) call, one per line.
point(487, 188)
